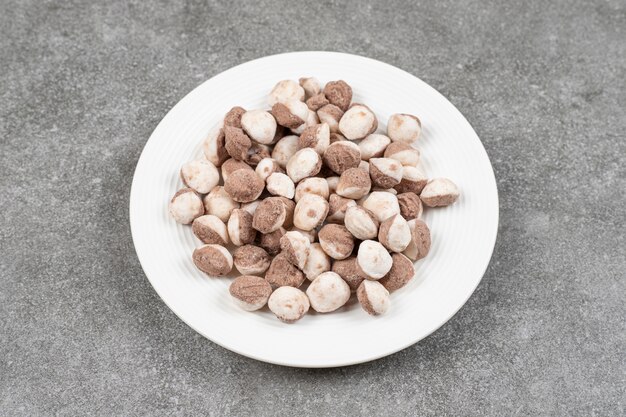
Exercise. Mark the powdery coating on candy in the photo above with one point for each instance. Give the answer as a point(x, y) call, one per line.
point(240, 228)
point(374, 298)
point(404, 128)
point(420, 240)
point(402, 271)
point(259, 125)
point(219, 203)
point(336, 241)
point(281, 185)
point(354, 183)
point(316, 137)
point(382, 204)
point(271, 241)
point(395, 233)
point(338, 93)
point(237, 143)
point(373, 146)
point(244, 185)
point(210, 229)
point(269, 215)
point(288, 304)
point(310, 212)
point(283, 273)
point(285, 149)
point(373, 259)
point(295, 246)
point(410, 206)
point(317, 262)
point(349, 271)
point(439, 192)
point(403, 153)
point(231, 165)
point(251, 260)
point(361, 222)
point(311, 86)
point(317, 102)
point(284, 117)
point(200, 175)
point(304, 163)
point(214, 260)
point(358, 122)
point(337, 207)
point(313, 185)
point(233, 117)
point(385, 172)
point(341, 156)
point(284, 91)
point(250, 292)
point(266, 167)
point(413, 180)
point(185, 206)
point(328, 292)
point(213, 147)
point(331, 115)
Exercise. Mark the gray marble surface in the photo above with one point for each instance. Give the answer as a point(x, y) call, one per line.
point(82, 86)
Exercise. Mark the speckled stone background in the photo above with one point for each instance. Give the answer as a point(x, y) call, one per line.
point(82, 86)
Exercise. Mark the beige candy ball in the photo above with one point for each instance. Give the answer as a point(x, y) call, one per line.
point(404, 128)
point(186, 206)
point(251, 260)
point(281, 185)
point(210, 229)
point(385, 172)
point(260, 125)
point(358, 122)
point(331, 115)
point(373, 146)
point(374, 297)
point(312, 185)
point(289, 304)
point(328, 292)
point(439, 192)
point(382, 204)
point(304, 163)
point(354, 183)
point(284, 91)
point(219, 203)
point(395, 233)
point(336, 241)
point(361, 222)
point(373, 259)
point(310, 212)
point(200, 175)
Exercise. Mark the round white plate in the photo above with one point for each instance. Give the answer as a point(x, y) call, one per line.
point(463, 235)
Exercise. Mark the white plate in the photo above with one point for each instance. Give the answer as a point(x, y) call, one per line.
point(463, 235)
